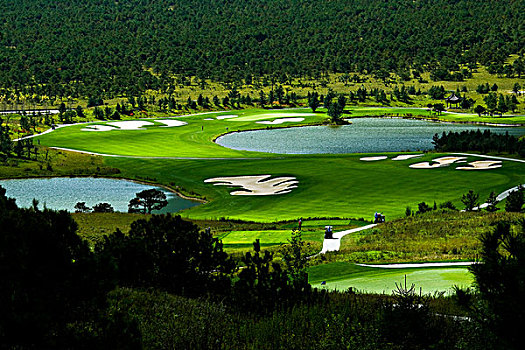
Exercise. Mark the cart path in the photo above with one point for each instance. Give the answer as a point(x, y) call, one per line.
point(490, 157)
point(330, 245)
point(417, 265)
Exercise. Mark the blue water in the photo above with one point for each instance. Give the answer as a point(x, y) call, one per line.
point(364, 135)
point(63, 193)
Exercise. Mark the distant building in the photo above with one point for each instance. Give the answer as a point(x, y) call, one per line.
point(453, 100)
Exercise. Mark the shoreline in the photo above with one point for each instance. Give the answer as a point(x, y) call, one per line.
point(142, 182)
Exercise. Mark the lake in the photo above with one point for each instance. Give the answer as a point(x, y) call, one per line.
point(364, 135)
point(62, 193)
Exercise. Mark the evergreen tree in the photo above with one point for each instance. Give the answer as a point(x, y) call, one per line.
point(515, 200)
point(470, 200)
point(500, 280)
point(313, 101)
point(492, 201)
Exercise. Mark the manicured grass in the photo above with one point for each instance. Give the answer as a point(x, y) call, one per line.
point(245, 239)
point(342, 276)
point(329, 185)
point(191, 140)
point(195, 138)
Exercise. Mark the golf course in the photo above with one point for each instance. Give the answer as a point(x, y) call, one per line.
point(180, 153)
point(325, 185)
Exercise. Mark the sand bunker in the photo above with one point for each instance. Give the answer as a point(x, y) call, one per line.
point(227, 116)
point(281, 115)
point(371, 159)
point(482, 165)
point(407, 156)
point(282, 120)
point(266, 116)
point(440, 162)
point(171, 122)
point(98, 128)
point(131, 124)
point(208, 119)
point(257, 185)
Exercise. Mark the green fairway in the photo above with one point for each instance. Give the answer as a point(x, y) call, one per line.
point(195, 139)
point(329, 185)
point(341, 276)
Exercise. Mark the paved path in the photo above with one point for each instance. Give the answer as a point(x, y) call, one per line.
point(489, 157)
point(503, 194)
point(404, 266)
point(330, 245)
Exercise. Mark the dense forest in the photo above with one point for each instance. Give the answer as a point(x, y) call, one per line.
point(104, 48)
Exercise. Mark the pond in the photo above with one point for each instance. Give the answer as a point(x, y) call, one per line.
point(62, 193)
point(364, 135)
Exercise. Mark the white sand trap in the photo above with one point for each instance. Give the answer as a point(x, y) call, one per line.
point(371, 159)
point(482, 165)
point(281, 115)
point(257, 185)
point(97, 128)
point(131, 124)
point(282, 120)
point(440, 162)
point(267, 116)
point(208, 119)
point(227, 116)
point(171, 122)
point(407, 156)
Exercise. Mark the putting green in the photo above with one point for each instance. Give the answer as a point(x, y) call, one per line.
point(341, 276)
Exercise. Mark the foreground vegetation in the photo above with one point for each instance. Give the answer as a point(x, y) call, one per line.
point(432, 236)
point(167, 284)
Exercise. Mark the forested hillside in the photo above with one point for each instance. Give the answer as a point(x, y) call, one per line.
point(105, 47)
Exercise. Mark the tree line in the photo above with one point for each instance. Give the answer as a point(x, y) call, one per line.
point(109, 48)
point(484, 142)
